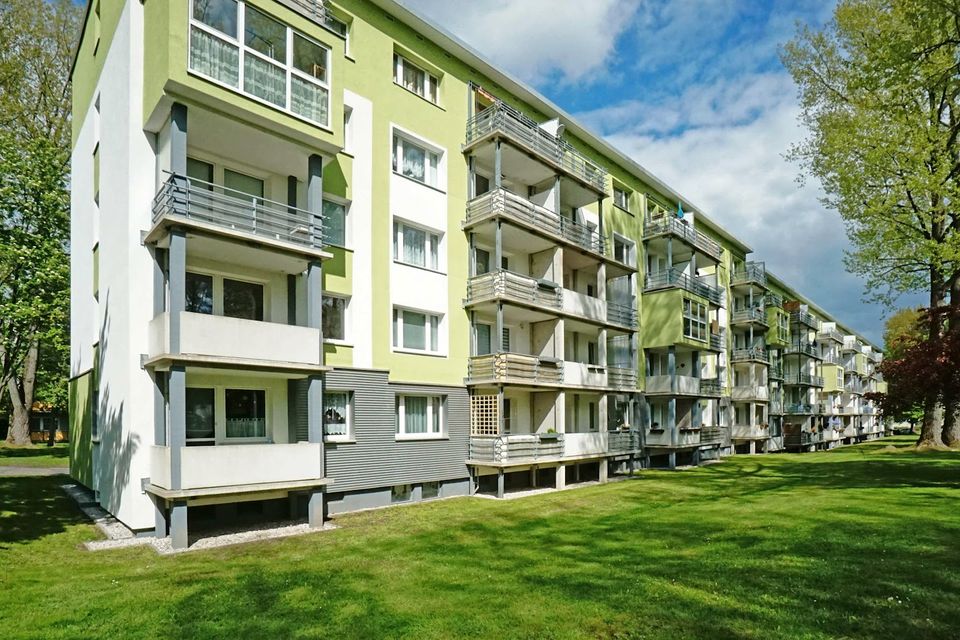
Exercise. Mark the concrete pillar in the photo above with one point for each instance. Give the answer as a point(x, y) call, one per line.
point(753, 446)
point(556, 195)
point(696, 456)
point(178, 525)
point(176, 284)
point(315, 197)
point(315, 509)
point(177, 430)
point(533, 477)
point(159, 517)
point(500, 483)
point(497, 166)
point(561, 476)
point(604, 471)
point(672, 460)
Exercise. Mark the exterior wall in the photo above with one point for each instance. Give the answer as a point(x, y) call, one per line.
point(81, 414)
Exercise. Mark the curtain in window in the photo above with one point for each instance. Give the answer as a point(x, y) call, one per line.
point(335, 415)
point(264, 80)
point(413, 79)
point(214, 57)
point(414, 162)
point(414, 243)
point(414, 330)
point(308, 99)
point(415, 414)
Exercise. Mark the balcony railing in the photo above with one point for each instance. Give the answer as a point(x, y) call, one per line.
point(802, 317)
point(710, 387)
point(798, 409)
point(235, 211)
point(622, 314)
point(747, 392)
point(715, 436)
point(808, 349)
point(515, 287)
point(772, 300)
point(775, 372)
point(621, 378)
point(500, 202)
point(830, 334)
point(623, 441)
point(804, 379)
point(852, 344)
point(675, 278)
point(519, 367)
point(718, 341)
point(752, 354)
point(755, 314)
point(508, 448)
point(750, 273)
point(527, 133)
point(668, 225)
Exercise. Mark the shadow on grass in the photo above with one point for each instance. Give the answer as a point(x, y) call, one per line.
point(33, 507)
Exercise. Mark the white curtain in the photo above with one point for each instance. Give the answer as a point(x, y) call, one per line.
point(415, 414)
point(308, 99)
point(414, 162)
point(214, 57)
point(414, 243)
point(264, 80)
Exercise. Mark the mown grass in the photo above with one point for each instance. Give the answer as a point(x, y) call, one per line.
point(860, 542)
point(38, 455)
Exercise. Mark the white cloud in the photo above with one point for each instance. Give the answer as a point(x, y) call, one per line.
point(539, 40)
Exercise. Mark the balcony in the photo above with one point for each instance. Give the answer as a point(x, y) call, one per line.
point(223, 468)
point(803, 379)
point(505, 450)
point(513, 287)
point(804, 318)
point(710, 387)
point(852, 344)
point(798, 409)
point(500, 203)
point(830, 334)
point(206, 207)
point(220, 340)
point(622, 315)
point(750, 392)
point(772, 300)
point(775, 372)
point(756, 315)
point(752, 273)
point(674, 278)
point(854, 387)
point(752, 354)
point(750, 432)
point(808, 349)
point(503, 121)
point(622, 378)
point(581, 374)
point(718, 341)
point(719, 436)
point(669, 225)
point(514, 368)
point(686, 386)
point(832, 358)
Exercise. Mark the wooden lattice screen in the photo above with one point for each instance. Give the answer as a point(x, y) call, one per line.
point(484, 420)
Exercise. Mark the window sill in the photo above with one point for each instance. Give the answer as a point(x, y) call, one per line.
point(422, 184)
point(417, 352)
point(414, 93)
point(339, 440)
point(416, 266)
point(420, 438)
point(624, 209)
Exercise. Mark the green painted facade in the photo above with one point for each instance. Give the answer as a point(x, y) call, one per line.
point(81, 418)
point(830, 378)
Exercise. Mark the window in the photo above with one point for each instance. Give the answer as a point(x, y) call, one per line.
point(200, 421)
point(483, 339)
point(200, 174)
point(199, 293)
point(416, 331)
point(419, 416)
point(413, 78)
point(335, 223)
point(272, 63)
point(429, 490)
point(622, 250)
point(507, 416)
point(246, 412)
point(621, 198)
point(242, 186)
point(337, 416)
point(593, 415)
point(334, 318)
point(694, 320)
point(505, 340)
point(482, 258)
point(416, 162)
point(401, 493)
point(415, 246)
point(242, 300)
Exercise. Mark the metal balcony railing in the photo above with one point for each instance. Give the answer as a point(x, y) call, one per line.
point(798, 409)
point(509, 448)
point(832, 358)
point(755, 314)
point(830, 334)
point(623, 440)
point(500, 202)
point(803, 379)
point(501, 367)
point(668, 225)
point(621, 377)
point(522, 130)
point(710, 387)
point(675, 278)
point(515, 287)
point(718, 341)
point(235, 211)
point(750, 273)
point(752, 354)
point(775, 372)
point(852, 344)
point(802, 317)
point(772, 300)
point(715, 436)
point(621, 313)
point(808, 349)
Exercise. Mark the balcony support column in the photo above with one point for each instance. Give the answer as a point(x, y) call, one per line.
point(176, 284)
point(177, 412)
point(178, 525)
point(604, 470)
point(561, 476)
point(556, 195)
point(500, 483)
point(178, 151)
point(501, 419)
point(669, 253)
point(471, 177)
point(315, 197)
point(498, 247)
point(498, 167)
point(600, 223)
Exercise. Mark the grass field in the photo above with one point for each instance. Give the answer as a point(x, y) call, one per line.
point(861, 542)
point(35, 456)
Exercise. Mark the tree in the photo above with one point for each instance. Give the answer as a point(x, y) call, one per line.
point(35, 62)
point(904, 330)
point(879, 91)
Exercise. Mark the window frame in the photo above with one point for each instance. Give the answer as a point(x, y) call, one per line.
point(346, 339)
point(429, 79)
point(692, 318)
point(398, 139)
point(630, 246)
point(218, 278)
point(397, 331)
point(434, 244)
point(222, 391)
point(627, 193)
point(435, 403)
point(349, 435)
point(347, 235)
point(220, 437)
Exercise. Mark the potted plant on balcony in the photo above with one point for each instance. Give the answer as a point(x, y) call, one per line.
point(550, 434)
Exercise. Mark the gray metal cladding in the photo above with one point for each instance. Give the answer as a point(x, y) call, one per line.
point(377, 458)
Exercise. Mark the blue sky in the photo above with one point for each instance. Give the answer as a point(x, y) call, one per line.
point(695, 92)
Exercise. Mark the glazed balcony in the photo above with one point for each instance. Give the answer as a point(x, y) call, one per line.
point(751, 354)
point(500, 203)
point(213, 209)
point(804, 318)
point(808, 349)
point(677, 279)
point(514, 368)
point(670, 226)
point(750, 274)
point(503, 121)
point(755, 315)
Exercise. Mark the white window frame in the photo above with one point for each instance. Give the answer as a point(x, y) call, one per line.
point(397, 331)
point(625, 205)
point(434, 403)
point(220, 412)
point(219, 277)
point(695, 319)
point(244, 50)
point(631, 248)
point(434, 242)
point(429, 79)
point(399, 138)
point(347, 337)
point(347, 231)
point(349, 436)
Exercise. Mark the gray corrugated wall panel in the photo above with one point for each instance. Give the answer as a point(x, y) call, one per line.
point(377, 458)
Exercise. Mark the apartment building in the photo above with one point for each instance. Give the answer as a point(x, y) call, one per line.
point(326, 257)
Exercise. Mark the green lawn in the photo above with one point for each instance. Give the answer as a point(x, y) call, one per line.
point(862, 542)
point(38, 455)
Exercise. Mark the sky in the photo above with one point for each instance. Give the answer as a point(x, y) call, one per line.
point(695, 92)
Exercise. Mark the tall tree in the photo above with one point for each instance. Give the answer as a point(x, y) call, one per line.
point(879, 91)
point(35, 61)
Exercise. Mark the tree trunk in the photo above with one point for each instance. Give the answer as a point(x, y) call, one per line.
point(951, 426)
point(21, 398)
point(931, 430)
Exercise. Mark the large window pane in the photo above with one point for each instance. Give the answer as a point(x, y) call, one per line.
point(199, 293)
point(333, 318)
point(265, 80)
point(309, 100)
point(414, 330)
point(214, 57)
point(334, 223)
point(266, 35)
point(412, 78)
point(200, 414)
point(200, 173)
point(483, 339)
point(246, 185)
point(415, 414)
point(310, 57)
point(413, 161)
point(242, 300)
point(217, 14)
point(414, 244)
point(246, 413)
point(335, 416)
